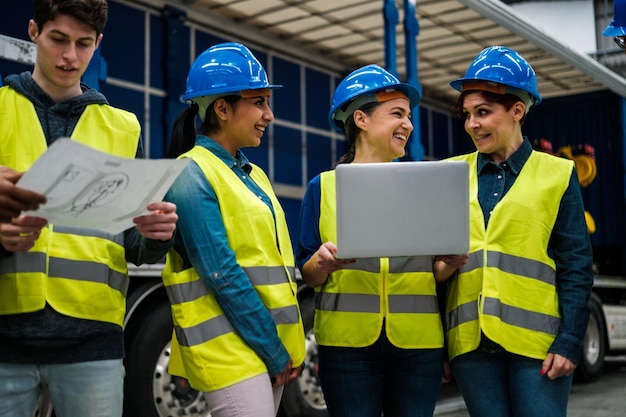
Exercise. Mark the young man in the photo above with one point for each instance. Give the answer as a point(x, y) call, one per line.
point(62, 290)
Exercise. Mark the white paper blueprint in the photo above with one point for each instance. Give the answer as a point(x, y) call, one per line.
point(91, 189)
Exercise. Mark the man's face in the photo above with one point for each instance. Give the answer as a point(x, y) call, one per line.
point(65, 46)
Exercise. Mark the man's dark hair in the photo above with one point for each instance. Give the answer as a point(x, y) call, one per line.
point(92, 12)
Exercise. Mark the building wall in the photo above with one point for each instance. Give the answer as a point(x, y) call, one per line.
point(148, 52)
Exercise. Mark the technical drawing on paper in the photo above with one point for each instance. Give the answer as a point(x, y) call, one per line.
point(91, 189)
point(96, 190)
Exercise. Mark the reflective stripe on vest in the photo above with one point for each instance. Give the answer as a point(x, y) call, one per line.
point(351, 305)
point(193, 290)
point(507, 289)
point(81, 273)
point(205, 348)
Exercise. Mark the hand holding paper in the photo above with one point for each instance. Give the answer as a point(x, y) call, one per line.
point(160, 224)
point(92, 189)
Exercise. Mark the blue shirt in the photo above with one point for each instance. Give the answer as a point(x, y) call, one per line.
point(201, 241)
point(309, 239)
point(569, 246)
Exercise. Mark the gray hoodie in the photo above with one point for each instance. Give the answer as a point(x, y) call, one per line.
point(46, 336)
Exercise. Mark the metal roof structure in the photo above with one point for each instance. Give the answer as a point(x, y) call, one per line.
point(344, 34)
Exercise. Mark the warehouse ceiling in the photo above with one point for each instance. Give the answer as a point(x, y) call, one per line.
point(345, 34)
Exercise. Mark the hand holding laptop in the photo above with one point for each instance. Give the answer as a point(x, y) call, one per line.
point(324, 262)
point(446, 265)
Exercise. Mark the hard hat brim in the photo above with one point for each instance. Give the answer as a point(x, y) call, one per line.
point(613, 31)
point(224, 92)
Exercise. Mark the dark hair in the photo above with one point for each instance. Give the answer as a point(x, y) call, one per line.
point(352, 132)
point(184, 130)
point(92, 12)
point(507, 100)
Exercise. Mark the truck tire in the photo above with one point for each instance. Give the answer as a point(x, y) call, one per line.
point(149, 391)
point(304, 397)
point(594, 344)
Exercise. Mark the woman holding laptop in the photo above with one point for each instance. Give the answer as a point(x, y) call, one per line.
point(377, 322)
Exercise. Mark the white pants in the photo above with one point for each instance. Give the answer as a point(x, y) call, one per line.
point(253, 397)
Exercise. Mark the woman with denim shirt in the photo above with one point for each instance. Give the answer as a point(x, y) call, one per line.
point(238, 335)
point(517, 310)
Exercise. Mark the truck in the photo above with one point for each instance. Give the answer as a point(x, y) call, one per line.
point(583, 104)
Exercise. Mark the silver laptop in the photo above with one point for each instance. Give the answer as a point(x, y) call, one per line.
point(402, 209)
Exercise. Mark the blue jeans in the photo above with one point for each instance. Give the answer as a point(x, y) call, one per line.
point(501, 384)
point(365, 382)
point(94, 389)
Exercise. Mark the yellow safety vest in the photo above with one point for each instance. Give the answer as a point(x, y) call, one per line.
point(351, 305)
point(205, 347)
point(81, 273)
point(508, 287)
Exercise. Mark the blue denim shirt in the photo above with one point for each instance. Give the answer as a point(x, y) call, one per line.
point(309, 239)
point(201, 241)
point(569, 246)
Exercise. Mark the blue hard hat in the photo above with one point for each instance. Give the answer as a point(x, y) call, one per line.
point(223, 69)
point(503, 66)
point(617, 27)
point(366, 81)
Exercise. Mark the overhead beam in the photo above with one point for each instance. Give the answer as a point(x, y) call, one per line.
point(510, 19)
point(230, 29)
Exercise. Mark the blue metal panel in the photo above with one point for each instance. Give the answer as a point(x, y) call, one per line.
point(287, 160)
point(159, 135)
point(205, 40)
point(14, 20)
point(287, 103)
point(318, 99)
point(319, 154)
point(439, 124)
point(291, 207)
point(159, 60)
point(123, 43)
point(10, 67)
point(174, 71)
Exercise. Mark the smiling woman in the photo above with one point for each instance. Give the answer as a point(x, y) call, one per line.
point(517, 311)
point(376, 321)
point(239, 336)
